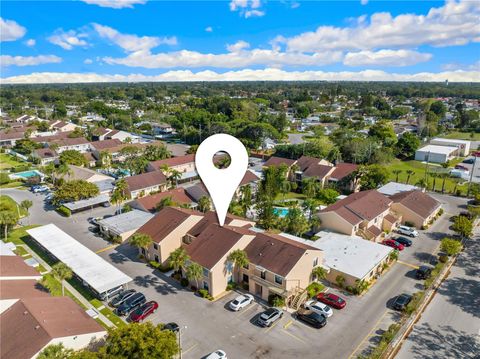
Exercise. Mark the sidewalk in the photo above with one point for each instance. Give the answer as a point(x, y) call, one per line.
point(69, 287)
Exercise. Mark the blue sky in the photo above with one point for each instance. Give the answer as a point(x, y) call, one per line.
point(139, 40)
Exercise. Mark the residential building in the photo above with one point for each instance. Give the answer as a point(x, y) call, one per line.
point(392, 188)
point(311, 167)
point(79, 144)
point(183, 164)
point(62, 126)
point(104, 183)
point(146, 183)
point(15, 268)
point(9, 138)
point(149, 203)
point(45, 155)
point(367, 214)
point(277, 161)
point(341, 177)
point(11, 291)
point(123, 225)
point(415, 207)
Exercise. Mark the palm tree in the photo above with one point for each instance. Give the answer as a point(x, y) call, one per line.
point(361, 286)
point(178, 259)
point(246, 198)
point(204, 204)
point(319, 273)
point(456, 181)
point(434, 175)
point(105, 159)
point(62, 272)
point(7, 219)
point(174, 177)
point(285, 187)
point(62, 170)
point(120, 192)
point(396, 173)
point(26, 204)
point(239, 258)
point(309, 187)
point(194, 272)
point(421, 183)
point(444, 177)
point(140, 240)
point(409, 174)
point(165, 202)
point(293, 170)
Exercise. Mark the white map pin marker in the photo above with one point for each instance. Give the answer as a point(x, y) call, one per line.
point(221, 183)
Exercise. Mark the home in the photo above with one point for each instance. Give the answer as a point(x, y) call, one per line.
point(392, 188)
point(185, 165)
point(146, 183)
point(103, 182)
point(10, 138)
point(416, 207)
point(100, 133)
point(31, 324)
point(11, 291)
point(45, 155)
point(249, 179)
point(79, 144)
point(62, 126)
point(15, 268)
point(277, 161)
point(367, 214)
point(123, 136)
point(341, 177)
point(149, 203)
point(311, 167)
point(114, 147)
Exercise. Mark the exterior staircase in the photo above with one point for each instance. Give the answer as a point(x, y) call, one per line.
point(297, 298)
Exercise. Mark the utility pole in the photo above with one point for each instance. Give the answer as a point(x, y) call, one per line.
point(426, 170)
point(471, 175)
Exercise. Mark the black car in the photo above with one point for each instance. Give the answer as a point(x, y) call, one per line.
point(423, 272)
point(131, 303)
point(171, 326)
point(469, 161)
point(402, 301)
point(122, 297)
point(404, 240)
point(314, 319)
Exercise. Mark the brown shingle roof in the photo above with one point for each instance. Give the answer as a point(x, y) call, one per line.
point(417, 201)
point(342, 170)
point(71, 141)
point(145, 180)
point(30, 324)
point(211, 218)
point(150, 202)
point(318, 171)
point(360, 206)
point(105, 144)
point(45, 153)
point(11, 136)
point(277, 161)
point(165, 222)
point(212, 244)
point(305, 161)
point(22, 289)
point(47, 139)
point(172, 162)
point(275, 253)
point(14, 266)
point(248, 178)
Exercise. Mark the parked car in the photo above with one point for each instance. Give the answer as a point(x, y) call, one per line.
point(241, 302)
point(394, 244)
point(131, 303)
point(402, 301)
point(94, 220)
point(404, 240)
point(408, 231)
point(122, 297)
point(270, 316)
point(171, 326)
point(39, 189)
point(460, 167)
point(332, 300)
point(49, 198)
point(312, 318)
point(423, 272)
point(217, 354)
point(143, 311)
point(319, 308)
point(106, 204)
point(469, 161)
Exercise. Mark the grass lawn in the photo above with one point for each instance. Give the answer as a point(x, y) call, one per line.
point(7, 161)
point(18, 235)
point(20, 251)
point(113, 317)
point(419, 173)
point(12, 184)
point(462, 136)
point(290, 195)
point(55, 288)
point(6, 202)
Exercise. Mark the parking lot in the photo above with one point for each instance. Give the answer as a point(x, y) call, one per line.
point(208, 326)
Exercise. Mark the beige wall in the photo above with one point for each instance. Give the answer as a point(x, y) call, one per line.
point(76, 342)
point(300, 275)
point(334, 222)
point(409, 216)
point(147, 191)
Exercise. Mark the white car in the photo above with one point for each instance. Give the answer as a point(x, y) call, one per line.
point(217, 354)
point(319, 308)
point(408, 231)
point(241, 302)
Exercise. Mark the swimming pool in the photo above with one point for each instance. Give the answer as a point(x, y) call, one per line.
point(280, 212)
point(26, 174)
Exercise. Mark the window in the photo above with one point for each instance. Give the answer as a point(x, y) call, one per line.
point(315, 262)
point(205, 272)
point(263, 274)
point(278, 279)
point(155, 245)
point(205, 285)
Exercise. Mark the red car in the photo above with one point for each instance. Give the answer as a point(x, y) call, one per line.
point(332, 300)
point(394, 244)
point(143, 311)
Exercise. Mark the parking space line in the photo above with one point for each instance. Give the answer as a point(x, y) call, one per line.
point(408, 264)
point(294, 336)
point(189, 349)
point(369, 334)
point(290, 322)
point(106, 248)
point(270, 328)
point(246, 310)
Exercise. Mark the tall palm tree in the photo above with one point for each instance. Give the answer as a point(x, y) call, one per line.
point(204, 204)
point(285, 187)
point(62, 170)
point(105, 159)
point(396, 173)
point(62, 272)
point(7, 219)
point(140, 240)
point(246, 198)
point(239, 259)
point(409, 174)
point(421, 183)
point(194, 272)
point(165, 202)
point(319, 273)
point(434, 175)
point(293, 170)
point(309, 187)
point(444, 177)
point(174, 177)
point(120, 193)
point(178, 259)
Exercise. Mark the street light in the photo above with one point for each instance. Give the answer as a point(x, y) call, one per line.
point(180, 339)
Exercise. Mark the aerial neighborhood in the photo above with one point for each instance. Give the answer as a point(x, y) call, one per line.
point(357, 200)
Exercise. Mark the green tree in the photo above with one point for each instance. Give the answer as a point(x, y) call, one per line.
point(383, 131)
point(155, 153)
point(295, 222)
point(372, 176)
point(194, 272)
point(361, 286)
point(450, 246)
point(8, 218)
point(204, 204)
point(319, 273)
point(246, 198)
point(140, 240)
point(310, 187)
point(239, 259)
point(463, 226)
point(140, 341)
point(396, 173)
point(165, 202)
point(174, 176)
point(75, 190)
point(72, 157)
point(178, 259)
point(62, 272)
point(327, 195)
point(105, 159)
point(55, 351)
point(26, 204)
point(407, 144)
point(120, 192)
point(340, 280)
point(410, 173)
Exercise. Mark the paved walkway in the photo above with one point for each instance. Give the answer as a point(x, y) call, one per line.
point(69, 287)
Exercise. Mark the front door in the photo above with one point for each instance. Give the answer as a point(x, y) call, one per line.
point(258, 289)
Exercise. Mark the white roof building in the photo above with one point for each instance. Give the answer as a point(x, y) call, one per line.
point(125, 224)
point(100, 275)
point(6, 249)
point(436, 154)
point(392, 188)
point(463, 146)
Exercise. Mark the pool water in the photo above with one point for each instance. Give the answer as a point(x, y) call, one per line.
point(280, 212)
point(28, 174)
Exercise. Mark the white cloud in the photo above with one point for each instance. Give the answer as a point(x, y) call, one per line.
point(68, 40)
point(10, 30)
point(115, 4)
point(7, 60)
point(295, 5)
point(132, 43)
point(245, 75)
point(385, 58)
point(30, 42)
point(88, 61)
point(247, 8)
point(455, 23)
point(466, 67)
point(364, 2)
point(238, 46)
point(209, 29)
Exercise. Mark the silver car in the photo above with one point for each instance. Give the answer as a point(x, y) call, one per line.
point(270, 316)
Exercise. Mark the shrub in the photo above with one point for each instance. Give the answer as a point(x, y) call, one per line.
point(340, 279)
point(154, 264)
point(245, 286)
point(415, 302)
point(64, 211)
point(4, 179)
point(443, 258)
point(275, 300)
point(440, 212)
point(232, 285)
point(204, 294)
point(177, 276)
point(351, 289)
point(184, 282)
point(409, 224)
point(116, 239)
point(314, 288)
point(451, 246)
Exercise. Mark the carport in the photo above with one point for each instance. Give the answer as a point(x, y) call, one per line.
point(84, 204)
